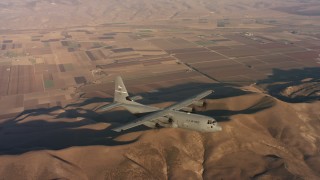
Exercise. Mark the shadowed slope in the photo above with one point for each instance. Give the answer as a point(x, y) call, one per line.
point(296, 85)
point(264, 137)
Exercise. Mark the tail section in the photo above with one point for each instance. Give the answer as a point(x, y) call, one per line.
point(121, 98)
point(120, 92)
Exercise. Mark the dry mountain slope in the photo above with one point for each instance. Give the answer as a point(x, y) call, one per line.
point(58, 13)
point(263, 138)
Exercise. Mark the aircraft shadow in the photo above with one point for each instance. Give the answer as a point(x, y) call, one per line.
point(58, 138)
point(89, 101)
point(74, 125)
point(224, 115)
point(44, 129)
point(307, 81)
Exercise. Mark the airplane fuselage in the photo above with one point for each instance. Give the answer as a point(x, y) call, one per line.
point(175, 116)
point(175, 119)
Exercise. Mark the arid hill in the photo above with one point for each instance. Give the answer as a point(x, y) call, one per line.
point(297, 85)
point(58, 60)
point(262, 138)
point(34, 14)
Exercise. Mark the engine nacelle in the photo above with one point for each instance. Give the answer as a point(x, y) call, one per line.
point(163, 119)
point(187, 109)
point(150, 124)
point(166, 122)
point(198, 103)
point(161, 122)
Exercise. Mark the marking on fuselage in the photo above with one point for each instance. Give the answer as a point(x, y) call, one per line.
point(121, 91)
point(193, 121)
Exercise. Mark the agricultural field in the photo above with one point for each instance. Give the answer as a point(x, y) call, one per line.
point(59, 60)
point(50, 68)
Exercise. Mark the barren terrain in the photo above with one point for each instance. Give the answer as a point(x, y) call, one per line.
point(262, 137)
point(58, 61)
point(35, 14)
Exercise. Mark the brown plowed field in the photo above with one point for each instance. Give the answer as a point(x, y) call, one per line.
point(302, 56)
point(23, 80)
point(39, 51)
point(185, 50)
point(241, 52)
point(4, 79)
point(195, 57)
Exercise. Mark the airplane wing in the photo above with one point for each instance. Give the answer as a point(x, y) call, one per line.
point(109, 106)
point(163, 112)
point(142, 120)
point(189, 101)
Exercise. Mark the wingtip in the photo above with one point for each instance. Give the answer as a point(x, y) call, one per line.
point(210, 91)
point(117, 130)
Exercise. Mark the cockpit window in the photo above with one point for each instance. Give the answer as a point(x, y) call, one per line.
point(211, 121)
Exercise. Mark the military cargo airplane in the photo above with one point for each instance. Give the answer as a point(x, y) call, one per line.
point(176, 116)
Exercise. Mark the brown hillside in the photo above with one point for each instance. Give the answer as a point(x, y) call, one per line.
point(262, 138)
point(20, 14)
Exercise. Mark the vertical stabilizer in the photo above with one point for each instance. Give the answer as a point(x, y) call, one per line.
point(120, 91)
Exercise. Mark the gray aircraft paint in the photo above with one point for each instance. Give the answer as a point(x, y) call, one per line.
point(167, 117)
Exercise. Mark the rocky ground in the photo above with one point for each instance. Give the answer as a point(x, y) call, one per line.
point(262, 138)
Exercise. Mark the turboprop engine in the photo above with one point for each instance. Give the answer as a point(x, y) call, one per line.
point(187, 109)
point(165, 119)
